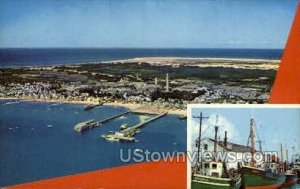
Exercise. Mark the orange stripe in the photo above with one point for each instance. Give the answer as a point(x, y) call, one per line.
point(141, 175)
point(286, 89)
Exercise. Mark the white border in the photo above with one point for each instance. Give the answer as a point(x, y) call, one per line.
point(231, 106)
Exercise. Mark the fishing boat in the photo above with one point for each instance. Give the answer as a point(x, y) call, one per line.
point(296, 167)
point(291, 176)
point(254, 175)
point(213, 174)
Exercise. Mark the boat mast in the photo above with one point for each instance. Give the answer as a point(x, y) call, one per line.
point(216, 135)
point(252, 140)
point(281, 152)
point(200, 130)
point(286, 154)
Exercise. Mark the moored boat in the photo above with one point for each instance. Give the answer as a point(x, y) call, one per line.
point(213, 174)
point(291, 176)
point(252, 176)
point(267, 175)
point(213, 177)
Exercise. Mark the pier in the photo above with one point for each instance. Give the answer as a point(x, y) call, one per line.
point(91, 106)
point(83, 126)
point(113, 117)
point(127, 134)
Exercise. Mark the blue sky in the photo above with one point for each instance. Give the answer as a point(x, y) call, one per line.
point(149, 23)
point(274, 125)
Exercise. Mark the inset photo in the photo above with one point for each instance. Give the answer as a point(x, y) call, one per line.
point(243, 146)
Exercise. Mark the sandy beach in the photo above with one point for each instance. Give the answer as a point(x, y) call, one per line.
point(236, 63)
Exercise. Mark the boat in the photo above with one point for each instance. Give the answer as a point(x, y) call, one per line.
point(182, 117)
point(295, 166)
point(124, 126)
point(118, 137)
point(213, 174)
point(291, 176)
point(267, 174)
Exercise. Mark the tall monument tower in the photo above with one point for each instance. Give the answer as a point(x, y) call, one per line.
point(167, 82)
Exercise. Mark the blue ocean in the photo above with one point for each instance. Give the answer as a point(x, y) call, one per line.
point(38, 140)
point(53, 56)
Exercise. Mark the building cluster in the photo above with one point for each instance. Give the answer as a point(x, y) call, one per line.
point(167, 93)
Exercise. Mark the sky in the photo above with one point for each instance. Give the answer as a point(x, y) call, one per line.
point(274, 126)
point(146, 24)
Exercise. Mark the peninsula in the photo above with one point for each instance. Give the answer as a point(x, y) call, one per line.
point(149, 83)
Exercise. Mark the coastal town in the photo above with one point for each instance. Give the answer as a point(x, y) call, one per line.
point(161, 85)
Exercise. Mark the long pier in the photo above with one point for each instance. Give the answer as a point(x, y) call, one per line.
point(83, 126)
point(146, 122)
point(113, 117)
point(127, 134)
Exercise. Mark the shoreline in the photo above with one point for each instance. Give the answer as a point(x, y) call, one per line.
point(185, 61)
point(140, 108)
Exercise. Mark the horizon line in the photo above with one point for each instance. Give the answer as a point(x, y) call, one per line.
point(232, 48)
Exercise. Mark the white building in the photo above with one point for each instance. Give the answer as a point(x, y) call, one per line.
point(232, 153)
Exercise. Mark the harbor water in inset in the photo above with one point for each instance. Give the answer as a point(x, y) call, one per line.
point(38, 140)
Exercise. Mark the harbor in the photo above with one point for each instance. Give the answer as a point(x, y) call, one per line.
point(128, 133)
point(61, 145)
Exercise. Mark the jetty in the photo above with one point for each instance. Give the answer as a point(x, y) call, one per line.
point(128, 133)
point(83, 126)
point(114, 117)
point(91, 106)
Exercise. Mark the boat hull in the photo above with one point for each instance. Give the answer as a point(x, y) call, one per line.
point(290, 179)
point(256, 177)
point(200, 182)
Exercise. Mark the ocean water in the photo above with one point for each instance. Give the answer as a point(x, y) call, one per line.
point(38, 140)
point(52, 56)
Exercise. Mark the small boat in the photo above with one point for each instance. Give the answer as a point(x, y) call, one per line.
point(11, 102)
point(182, 117)
point(124, 126)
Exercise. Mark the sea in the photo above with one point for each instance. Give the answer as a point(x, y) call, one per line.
point(38, 140)
point(12, 57)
